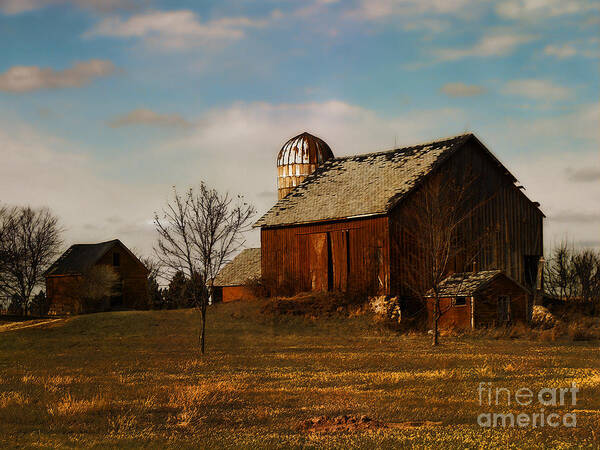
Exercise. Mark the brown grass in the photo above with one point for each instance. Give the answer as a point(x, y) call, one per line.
point(131, 379)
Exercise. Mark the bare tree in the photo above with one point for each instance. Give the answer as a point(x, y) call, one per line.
point(561, 279)
point(29, 243)
point(152, 264)
point(433, 233)
point(586, 266)
point(572, 274)
point(197, 233)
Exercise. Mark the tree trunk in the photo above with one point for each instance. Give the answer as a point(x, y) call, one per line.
point(202, 333)
point(436, 316)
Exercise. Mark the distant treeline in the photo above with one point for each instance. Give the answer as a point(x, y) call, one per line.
point(572, 274)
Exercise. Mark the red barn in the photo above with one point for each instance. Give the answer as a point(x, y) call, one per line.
point(62, 278)
point(338, 222)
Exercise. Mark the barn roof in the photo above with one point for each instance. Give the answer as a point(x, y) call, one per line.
point(80, 257)
point(360, 185)
point(244, 266)
point(466, 283)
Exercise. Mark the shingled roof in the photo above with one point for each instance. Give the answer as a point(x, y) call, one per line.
point(465, 284)
point(80, 257)
point(360, 185)
point(244, 266)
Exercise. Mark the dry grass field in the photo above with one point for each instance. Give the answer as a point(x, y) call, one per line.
point(132, 379)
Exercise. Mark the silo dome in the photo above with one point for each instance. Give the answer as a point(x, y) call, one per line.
point(298, 158)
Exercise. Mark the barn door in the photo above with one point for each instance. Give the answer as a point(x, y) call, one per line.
point(318, 258)
point(339, 259)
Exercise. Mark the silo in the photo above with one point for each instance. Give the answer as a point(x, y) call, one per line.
point(298, 158)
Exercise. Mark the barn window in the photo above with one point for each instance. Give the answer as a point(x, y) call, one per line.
point(116, 259)
point(460, 301)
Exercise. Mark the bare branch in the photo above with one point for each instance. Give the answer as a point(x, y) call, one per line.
point(29, 243)
point(197, 233)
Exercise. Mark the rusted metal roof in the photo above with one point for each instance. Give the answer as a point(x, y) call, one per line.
point(465, 284)
point(360, 185)
point(243, 267)
point(298, 158)
point(304, 149)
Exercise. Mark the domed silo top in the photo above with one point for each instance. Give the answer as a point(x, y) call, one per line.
point(298, 158)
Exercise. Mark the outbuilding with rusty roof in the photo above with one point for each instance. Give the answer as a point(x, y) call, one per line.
point(471, 300)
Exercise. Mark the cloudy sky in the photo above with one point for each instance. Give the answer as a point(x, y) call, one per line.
point(107, 104)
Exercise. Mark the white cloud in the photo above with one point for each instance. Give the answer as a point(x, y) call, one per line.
point(560, 51)
point(234, 148)
point(584, 174)
point(384, 9)
point(143, 116)
point(430, 17)
point(537, 89)
point(41, 170)
point(582, 48)
point(175, 30)
point(462, 90)
point(571, 208)
point(543, 9)
point(499, 44)
point(31, 78)
point(550, 156)
point(20, 6)
point(581, 125)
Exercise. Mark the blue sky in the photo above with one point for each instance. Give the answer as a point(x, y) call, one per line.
point(106, 104)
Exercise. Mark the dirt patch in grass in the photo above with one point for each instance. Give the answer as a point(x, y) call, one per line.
point(347, 423)
point(352, 423)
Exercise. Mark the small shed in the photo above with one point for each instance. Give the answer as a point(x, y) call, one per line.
point(480, 299)
point(63, 277)
point(230, 283)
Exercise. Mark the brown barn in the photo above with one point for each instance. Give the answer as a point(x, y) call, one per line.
point(340, 227)
point(131, 290)
point(230, 283)
point(476, 299)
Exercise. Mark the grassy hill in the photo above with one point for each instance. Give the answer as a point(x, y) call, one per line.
point(135, 378)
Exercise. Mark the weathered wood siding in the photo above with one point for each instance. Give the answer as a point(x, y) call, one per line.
point(132, 276)
point(509, 221)
point(454, 317)
point(58, 292)
point(486, 302)
point(348, 255)
point(232, 293)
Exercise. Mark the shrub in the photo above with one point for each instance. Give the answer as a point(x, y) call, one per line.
point(541, 317)
point(386, 308)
